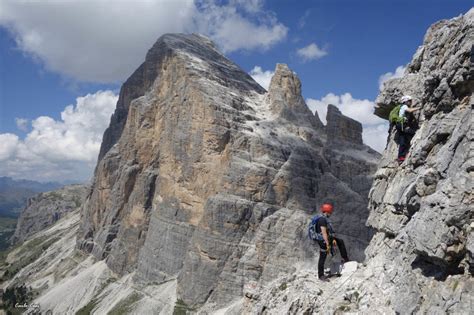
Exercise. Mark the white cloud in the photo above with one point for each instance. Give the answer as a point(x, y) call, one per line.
point(374, 128)
point(390, 75)
point(375, 136)
point(311, 52)
point(262, 77)
point(8, 144)
point(104, 41)
point(22, 124)
point(232, 31)
point(65, 149)
point(302, 20)
point(360, 110)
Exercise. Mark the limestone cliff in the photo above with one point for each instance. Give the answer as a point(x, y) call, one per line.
point(423, 208)
point(420, 259)
point(342, 128)
point(208, 181)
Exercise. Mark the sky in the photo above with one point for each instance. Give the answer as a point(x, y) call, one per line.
point(62, 62)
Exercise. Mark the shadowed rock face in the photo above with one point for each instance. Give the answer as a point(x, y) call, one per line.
point(342, 128)
point(210, 180)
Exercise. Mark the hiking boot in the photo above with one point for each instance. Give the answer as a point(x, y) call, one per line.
point(341, 267)
point(324, 279)
point(401, 159)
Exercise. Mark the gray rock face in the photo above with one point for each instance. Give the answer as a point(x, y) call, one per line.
point(212, 181)
point(430, 194)
point(142, 79)
point(422, 209)
point(46, 208)
point(420, 259)
point(286, 100)
point(440, 75)
point(342, 128)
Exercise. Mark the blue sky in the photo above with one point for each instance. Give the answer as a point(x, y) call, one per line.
point(56, 54)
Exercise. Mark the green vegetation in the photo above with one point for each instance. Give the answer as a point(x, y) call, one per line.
point(19, 294)
point(124, 306)
point(29, 252)
point(54, 195)
point(7, 223)
point(343, 308)
point(31, 245)
point(3, 258)
point(87, 309)
point(455, 284)
point(7, 228)
point(357, 296)
point(5, 237)
point(77, 201)
point(69, 263)
point(283, 286)
point(4, 254)
point(181, 308)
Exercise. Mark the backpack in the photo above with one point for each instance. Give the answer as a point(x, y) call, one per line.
point(394, 116)
point(312, 234)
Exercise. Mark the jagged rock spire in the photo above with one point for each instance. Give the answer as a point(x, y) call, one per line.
point(342, 128)
point(286, 99)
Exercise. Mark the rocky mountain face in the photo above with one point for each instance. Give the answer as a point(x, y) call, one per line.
point(423, 209)
point(206, 184)
point(207, 181)
point(46, 208)
point(420, 259)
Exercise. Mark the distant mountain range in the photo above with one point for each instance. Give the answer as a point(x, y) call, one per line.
point(15, 193)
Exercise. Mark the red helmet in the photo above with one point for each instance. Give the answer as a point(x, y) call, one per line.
point(326, 208)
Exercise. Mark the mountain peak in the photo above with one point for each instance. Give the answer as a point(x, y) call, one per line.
point(205, 160)
point(286, 100)
point(285, 80)
point(202, 59)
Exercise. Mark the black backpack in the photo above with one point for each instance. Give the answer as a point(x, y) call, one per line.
point(312, 231)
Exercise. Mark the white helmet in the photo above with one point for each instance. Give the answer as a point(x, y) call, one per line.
point(406, 98)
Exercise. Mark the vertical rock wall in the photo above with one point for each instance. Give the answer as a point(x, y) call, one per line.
point(420, 259)
point(423, 209)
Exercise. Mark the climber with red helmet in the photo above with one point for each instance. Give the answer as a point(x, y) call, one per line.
point(321, 230)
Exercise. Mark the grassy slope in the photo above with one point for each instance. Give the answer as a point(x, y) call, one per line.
point(7, 228)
